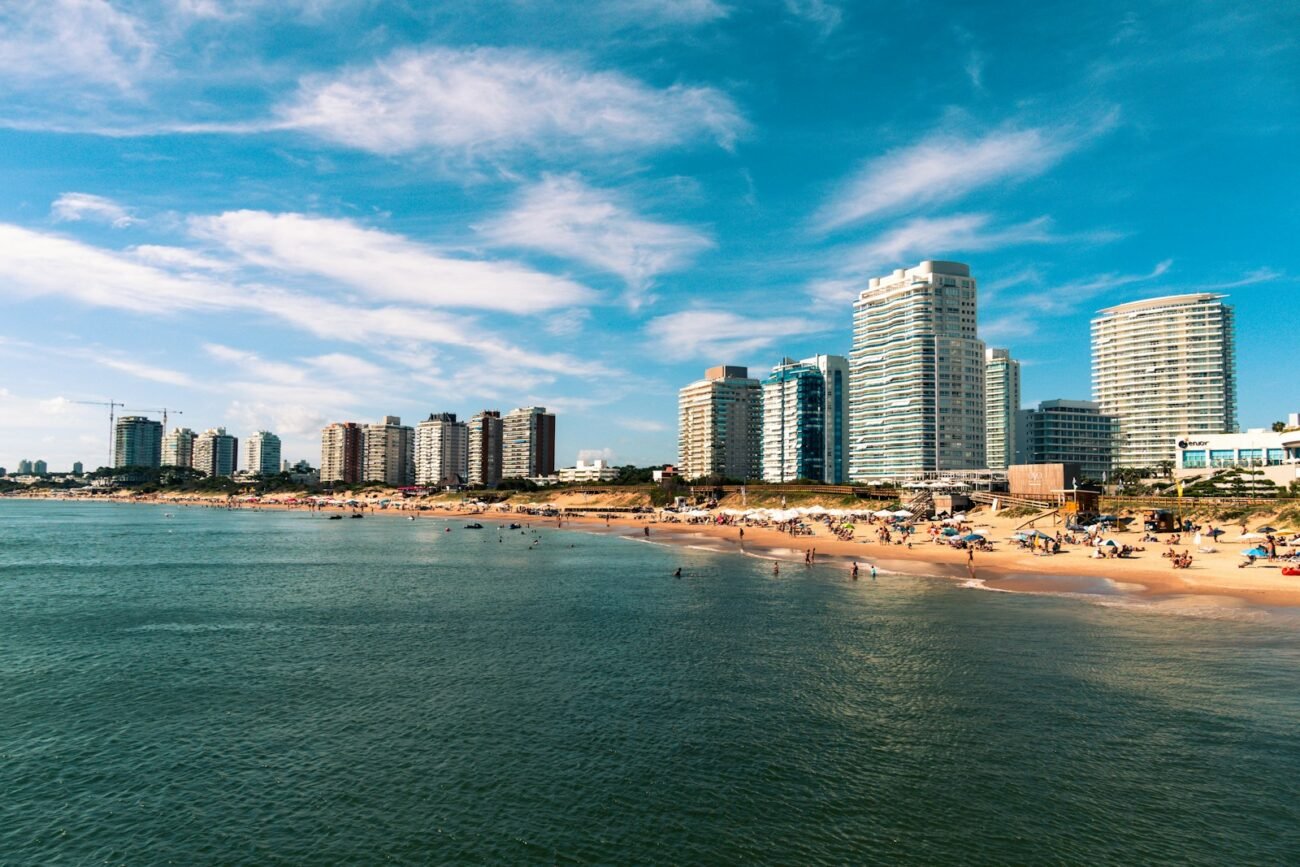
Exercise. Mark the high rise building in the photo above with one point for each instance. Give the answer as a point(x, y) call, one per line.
point(137, 442)
point(216, 452)
point(389, 449)
point(720, 425)
point(441, 451)
point(1166, 368)
point(40, 468)
point(805, 420)
point(916, 399)
point(1001, 404)
point(263, 455)
point(1067, 432)
point(342, 453)
point(485, 448)
point(178, 448)
point(527, 443)
point(77, 468)
point(24, 467)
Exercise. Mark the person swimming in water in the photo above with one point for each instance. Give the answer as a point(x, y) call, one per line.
point(678, 573)
point(855, 570)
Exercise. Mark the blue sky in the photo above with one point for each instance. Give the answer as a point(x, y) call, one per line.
point(279, 214)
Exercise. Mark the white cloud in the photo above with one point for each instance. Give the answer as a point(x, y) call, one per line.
point(826, 16)
point(942, 236)
point(669, 11)
point(719, 335)
point(484, 102)
point(384, 265)
point(644, 425)
point(73, 207)
point(942, 168)
point(606, 454)
point(36, 264)
point(565, 217)
point(925, 238)
point(79, 41)
point(177, 257)
point(146, 371)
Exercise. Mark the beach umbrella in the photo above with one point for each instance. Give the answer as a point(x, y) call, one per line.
point(1255, 552)
point(1246, 537)
point(1216, 533)
point(1266, 529)
point(902, 513)
point(973, 537)
point(883, 513)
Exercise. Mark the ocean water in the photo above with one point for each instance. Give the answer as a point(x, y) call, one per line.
point(275, 688)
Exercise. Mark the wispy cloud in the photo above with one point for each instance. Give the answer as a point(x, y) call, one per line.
point(942, 168)
point(825, 16)
point(384, 265)
point(72, 42)
point(73, 207)
point(720, 334)
point(565, 217)
point(668, 11)
point(488, 102)
point(151, 372)
point(932, 238)
point(40, 264)
point(645, 425)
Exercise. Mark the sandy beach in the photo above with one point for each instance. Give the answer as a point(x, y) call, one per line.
point(1212, 577)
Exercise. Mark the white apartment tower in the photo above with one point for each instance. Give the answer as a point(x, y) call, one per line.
point(216, 452)
point(527, 443)
point(441, 451)
point(389, 449)
point(178, 447)
point(720, 425)
point(916, 392)
point(1001, 405)
point(263, 454)
point(1165, 368)
point(805, 420)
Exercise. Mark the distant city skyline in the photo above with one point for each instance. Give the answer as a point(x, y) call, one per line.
point(276, 216)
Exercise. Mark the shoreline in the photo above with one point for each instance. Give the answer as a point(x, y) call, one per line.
point(1146, 576)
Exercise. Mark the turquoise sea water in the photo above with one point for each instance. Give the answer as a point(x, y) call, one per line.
point(260, 688)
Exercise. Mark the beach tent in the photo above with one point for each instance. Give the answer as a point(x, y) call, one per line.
point(1255, 552)
point(950, 531)
point(1111, 543)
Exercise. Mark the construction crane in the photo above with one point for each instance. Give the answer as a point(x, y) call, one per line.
point(112, 406)
point(164, 412)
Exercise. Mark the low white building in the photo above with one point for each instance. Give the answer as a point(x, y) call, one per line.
point(588, 471)
point(1277, 454)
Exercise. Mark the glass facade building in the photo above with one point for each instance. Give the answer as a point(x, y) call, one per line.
point(805, 418)
point(1068, 432)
